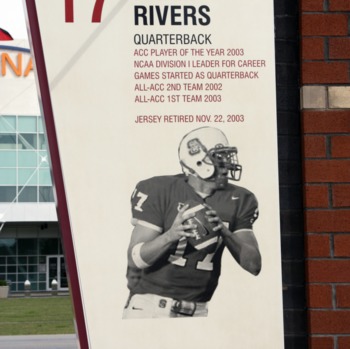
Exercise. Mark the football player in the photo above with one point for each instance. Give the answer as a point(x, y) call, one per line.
point(179, 277)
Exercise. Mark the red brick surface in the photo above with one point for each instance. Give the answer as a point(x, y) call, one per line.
point(312, 48)
point(339, 48)
point(319, 221)
point(325, 60)
point(343, 342)
point(314, 146)
point(322, 171)
point(324, 24)
point(316, 196)
point(338, 5)
point(340, 146)
point(328, 270)
point(329, 322)
point(320, 296)
point(325, 72)
point(343, 296)
point(341, 195)
point(321, 342)
point(326, 121)
point(342, 245)
point(312, 5)
point(317, 245)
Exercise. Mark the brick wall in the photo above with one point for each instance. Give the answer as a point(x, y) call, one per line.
point(325, 92)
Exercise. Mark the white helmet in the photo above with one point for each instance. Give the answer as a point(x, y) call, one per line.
point(204, 150)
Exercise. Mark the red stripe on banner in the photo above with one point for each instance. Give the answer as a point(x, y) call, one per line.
point(63, 216)
point(69, 10)
point(96, 15)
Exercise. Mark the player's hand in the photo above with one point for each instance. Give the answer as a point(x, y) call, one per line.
point(181, 227)
point(213, 218)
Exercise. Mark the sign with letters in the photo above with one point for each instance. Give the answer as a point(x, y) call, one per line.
point(120, 84)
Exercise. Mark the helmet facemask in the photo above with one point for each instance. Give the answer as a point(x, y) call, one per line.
point(209, 164)
point(226, 157)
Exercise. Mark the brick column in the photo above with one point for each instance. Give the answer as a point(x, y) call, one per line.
point(325, 92)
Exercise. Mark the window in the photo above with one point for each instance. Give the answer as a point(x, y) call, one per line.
point(24, 167)
point(7, 194)
point(8, 158)
point(27, 124)
point(28, 194)
point(8, 141)
point(27, 259)
point(7, 123)
point(7, 247)
point(8, 176)
point(27, 246)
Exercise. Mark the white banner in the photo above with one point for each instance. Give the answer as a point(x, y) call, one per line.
point(127, 80)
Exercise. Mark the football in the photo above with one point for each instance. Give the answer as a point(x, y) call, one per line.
point(204, 236)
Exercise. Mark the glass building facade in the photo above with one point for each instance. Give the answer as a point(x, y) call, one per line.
point(38, 260)
point(24, 168)
point(30, 247)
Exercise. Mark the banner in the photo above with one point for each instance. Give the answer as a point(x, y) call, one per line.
point(147, 105)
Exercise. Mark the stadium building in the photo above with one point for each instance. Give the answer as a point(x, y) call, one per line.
point(30, 243)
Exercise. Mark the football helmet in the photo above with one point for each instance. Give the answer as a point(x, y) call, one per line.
point(204, 151)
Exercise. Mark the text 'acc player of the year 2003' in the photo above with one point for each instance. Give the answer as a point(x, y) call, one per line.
point(196, 71)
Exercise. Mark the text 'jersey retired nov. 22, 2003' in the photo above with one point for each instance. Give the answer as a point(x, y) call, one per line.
point(184, 272)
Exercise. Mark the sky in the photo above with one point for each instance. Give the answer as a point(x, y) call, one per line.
point(12, 18)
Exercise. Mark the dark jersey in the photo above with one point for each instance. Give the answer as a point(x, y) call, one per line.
point(183, 272)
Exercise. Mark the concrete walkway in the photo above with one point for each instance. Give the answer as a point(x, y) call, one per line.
point(59, 341)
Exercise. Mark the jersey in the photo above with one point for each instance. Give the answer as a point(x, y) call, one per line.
point(183, 272)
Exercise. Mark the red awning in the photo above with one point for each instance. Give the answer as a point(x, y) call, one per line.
point(4, 35)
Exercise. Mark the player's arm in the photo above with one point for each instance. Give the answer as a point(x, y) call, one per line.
point(242, 244)
point(147, 245)
point(244, 248)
